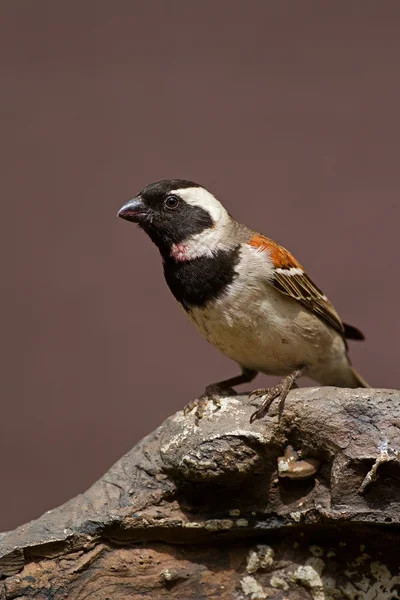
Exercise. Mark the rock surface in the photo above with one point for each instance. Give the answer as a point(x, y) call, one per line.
point(305, 508)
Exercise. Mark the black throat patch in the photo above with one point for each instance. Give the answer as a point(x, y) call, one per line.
point(197, 281)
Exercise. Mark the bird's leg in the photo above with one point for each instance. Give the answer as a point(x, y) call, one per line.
point(225, 388)
point(214, 391)
point(280, 391)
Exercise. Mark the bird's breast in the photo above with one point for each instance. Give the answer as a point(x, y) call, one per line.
point(258, 326)
point(196, 282)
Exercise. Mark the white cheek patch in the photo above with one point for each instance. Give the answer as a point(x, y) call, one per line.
point(198, 196)
point(207, 243)
point(210, 241)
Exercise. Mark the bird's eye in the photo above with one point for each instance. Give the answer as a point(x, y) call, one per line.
point(171, 202)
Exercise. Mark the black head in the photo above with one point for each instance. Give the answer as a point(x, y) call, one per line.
point(171, 211)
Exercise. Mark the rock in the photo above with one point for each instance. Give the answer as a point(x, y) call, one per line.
point(201, 510)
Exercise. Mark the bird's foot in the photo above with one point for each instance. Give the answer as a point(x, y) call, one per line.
point(267, 396)
point(213, 393)
point(200, 404)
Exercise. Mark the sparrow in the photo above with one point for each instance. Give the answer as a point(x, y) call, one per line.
point(245, 293)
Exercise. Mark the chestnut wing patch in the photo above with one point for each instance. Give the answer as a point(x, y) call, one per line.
point(291, 279)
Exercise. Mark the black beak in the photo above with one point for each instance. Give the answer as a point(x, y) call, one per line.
point(135, 210)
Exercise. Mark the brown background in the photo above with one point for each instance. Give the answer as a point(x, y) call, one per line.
point(287, 111)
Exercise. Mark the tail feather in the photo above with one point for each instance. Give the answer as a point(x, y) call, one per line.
point(352, 333)
point(358, 380)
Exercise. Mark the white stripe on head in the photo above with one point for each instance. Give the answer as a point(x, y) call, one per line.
point(198, 196)
point(211, 240)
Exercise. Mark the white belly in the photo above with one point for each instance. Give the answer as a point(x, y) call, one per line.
point(262, 329)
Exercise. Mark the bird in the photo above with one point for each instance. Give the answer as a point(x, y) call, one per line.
point(245, 293)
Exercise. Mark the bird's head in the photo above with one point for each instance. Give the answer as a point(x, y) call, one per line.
point(181, 217)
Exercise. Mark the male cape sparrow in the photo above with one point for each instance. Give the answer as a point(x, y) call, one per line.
point(245, 293)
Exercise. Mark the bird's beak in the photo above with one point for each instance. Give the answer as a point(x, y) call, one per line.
point(135, 210)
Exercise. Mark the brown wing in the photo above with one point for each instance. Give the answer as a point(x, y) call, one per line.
point(291, 279)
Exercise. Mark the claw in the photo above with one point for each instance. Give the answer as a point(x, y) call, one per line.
point(267, 396)
point(200, 404)
point(260, 392)
point(189, 407)
point(278, 391)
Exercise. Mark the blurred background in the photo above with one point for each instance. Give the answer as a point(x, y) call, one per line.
point(287, 111)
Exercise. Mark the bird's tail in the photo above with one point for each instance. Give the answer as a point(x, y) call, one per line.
point(358, 380)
